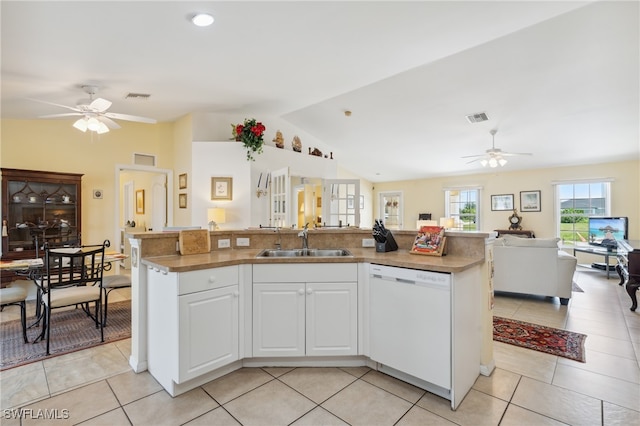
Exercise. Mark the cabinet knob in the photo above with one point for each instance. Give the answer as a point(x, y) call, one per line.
point(309, 291)
point(212, 279)
point(301, 292)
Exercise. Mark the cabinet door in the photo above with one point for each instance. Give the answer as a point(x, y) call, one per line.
point(209, 331)
point(332, 319)
point(278, 319)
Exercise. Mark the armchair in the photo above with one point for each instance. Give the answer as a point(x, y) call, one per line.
point(533, 266)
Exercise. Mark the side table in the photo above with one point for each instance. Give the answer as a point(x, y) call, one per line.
point(521, 232)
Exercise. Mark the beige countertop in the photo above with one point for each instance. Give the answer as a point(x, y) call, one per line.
point(228, 257)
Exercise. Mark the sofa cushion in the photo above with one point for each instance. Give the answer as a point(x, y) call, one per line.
point(512, 241)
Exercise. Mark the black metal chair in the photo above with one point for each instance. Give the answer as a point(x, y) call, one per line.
point(16, 296)
point(73, 277)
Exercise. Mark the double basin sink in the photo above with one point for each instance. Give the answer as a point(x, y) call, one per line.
point(305, 253)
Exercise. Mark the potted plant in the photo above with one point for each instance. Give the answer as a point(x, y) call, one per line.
point(250, 134)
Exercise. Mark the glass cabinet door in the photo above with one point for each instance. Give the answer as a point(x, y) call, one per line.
point(39, 206)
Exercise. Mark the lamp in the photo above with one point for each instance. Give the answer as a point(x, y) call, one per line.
point(92, 124)
point(215, 215)
point(446, 222)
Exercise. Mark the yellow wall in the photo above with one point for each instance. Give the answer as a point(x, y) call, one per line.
point(427, 196)
point(54, 145)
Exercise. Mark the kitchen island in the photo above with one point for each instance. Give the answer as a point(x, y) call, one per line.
point(208, 314)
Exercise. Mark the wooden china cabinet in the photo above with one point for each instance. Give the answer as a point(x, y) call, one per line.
point(38, 206)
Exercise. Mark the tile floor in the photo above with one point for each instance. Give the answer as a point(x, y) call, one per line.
point(96, 386)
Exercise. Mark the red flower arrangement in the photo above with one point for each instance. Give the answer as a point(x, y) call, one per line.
point(250, 134)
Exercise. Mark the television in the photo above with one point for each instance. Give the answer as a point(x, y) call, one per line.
point(606, 231)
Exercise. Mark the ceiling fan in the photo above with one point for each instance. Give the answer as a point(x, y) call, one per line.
point(494, 156)
point(94, 114)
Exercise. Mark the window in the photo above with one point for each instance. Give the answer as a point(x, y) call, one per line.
point(575, 203)
point(462, 205)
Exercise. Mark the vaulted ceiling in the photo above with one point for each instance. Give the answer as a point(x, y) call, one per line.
point(557, 79)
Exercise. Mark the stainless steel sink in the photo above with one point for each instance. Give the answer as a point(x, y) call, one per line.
point(305, 253)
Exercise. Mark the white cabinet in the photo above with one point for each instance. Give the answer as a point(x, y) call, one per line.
point(305, 309)
point(193, 323)
point(208, 331)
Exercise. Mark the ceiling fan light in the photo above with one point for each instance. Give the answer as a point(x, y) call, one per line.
point(502, 162)
point(102, 128)
point(493, 163)
point(484, 163)
point(93, 124)
point(202, 20)
point(81, 124)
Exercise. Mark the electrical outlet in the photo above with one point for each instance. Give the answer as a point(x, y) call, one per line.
point(226, 243)
point(368, 242)
point(243, 242)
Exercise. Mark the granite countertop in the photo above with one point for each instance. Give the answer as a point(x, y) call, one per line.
point(228, 257)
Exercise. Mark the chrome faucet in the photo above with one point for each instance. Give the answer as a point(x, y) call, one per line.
point(304, 234)
point(279, 243)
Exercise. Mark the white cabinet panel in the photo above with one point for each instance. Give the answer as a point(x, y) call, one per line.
point(278, 319)
point(208, 331)
point(332, 319)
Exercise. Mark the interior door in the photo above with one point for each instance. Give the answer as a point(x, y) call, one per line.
point(341, 202)
point(280, 190)
point(391, 209)
point(159, 202)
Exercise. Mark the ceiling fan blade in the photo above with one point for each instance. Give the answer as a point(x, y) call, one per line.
point(472, 156)
point(54, 104)
point(108, 122)
point(473, 161)
point(66, 114)
point(100, 105)
point(128, 117)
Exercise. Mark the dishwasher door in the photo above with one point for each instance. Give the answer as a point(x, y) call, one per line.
point(410, 322)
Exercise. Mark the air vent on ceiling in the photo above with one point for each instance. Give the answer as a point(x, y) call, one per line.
point(477, 117)
point(137, 96)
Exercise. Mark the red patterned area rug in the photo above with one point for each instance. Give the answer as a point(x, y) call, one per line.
point(550, 340)
point(72, 331)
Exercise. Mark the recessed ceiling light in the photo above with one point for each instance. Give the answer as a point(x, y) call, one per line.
point(202, 20)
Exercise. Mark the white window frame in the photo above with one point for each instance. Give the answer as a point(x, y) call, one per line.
point(456, 215)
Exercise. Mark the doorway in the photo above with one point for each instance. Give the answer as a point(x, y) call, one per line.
point(390, 209)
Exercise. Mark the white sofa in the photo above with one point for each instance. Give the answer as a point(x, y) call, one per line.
point(533, 266)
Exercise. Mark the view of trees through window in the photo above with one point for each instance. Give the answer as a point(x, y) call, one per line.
point(462, 206)
point(577, 202)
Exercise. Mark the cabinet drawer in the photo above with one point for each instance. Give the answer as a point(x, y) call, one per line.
point(207, 279)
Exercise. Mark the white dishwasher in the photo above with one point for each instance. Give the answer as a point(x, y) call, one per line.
point(410, 322)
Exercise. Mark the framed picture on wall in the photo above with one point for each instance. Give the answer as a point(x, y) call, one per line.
point(530, 201)
point(182, 201)
point(502, 202)
point(182, 181)
point(221, 188)
point(140, 201)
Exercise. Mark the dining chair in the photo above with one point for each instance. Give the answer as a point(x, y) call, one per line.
point(16, 296)
point(73, 276)
point(110, 283)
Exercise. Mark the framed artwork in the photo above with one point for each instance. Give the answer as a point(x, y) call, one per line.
point(221, 188)
point(140, 201)
point(182, 201)
point(97, 193)
point(530, 201)
point(182, 181)
point(361, 202)
point(502, 202)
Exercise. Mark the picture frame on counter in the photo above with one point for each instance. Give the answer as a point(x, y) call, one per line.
point(530, 201)
point(501, 202)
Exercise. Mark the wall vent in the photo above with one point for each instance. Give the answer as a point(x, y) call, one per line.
point(144, 159)
point(477, 117)
point(143, 96)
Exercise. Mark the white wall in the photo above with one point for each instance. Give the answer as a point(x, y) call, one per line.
point(228, 159)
